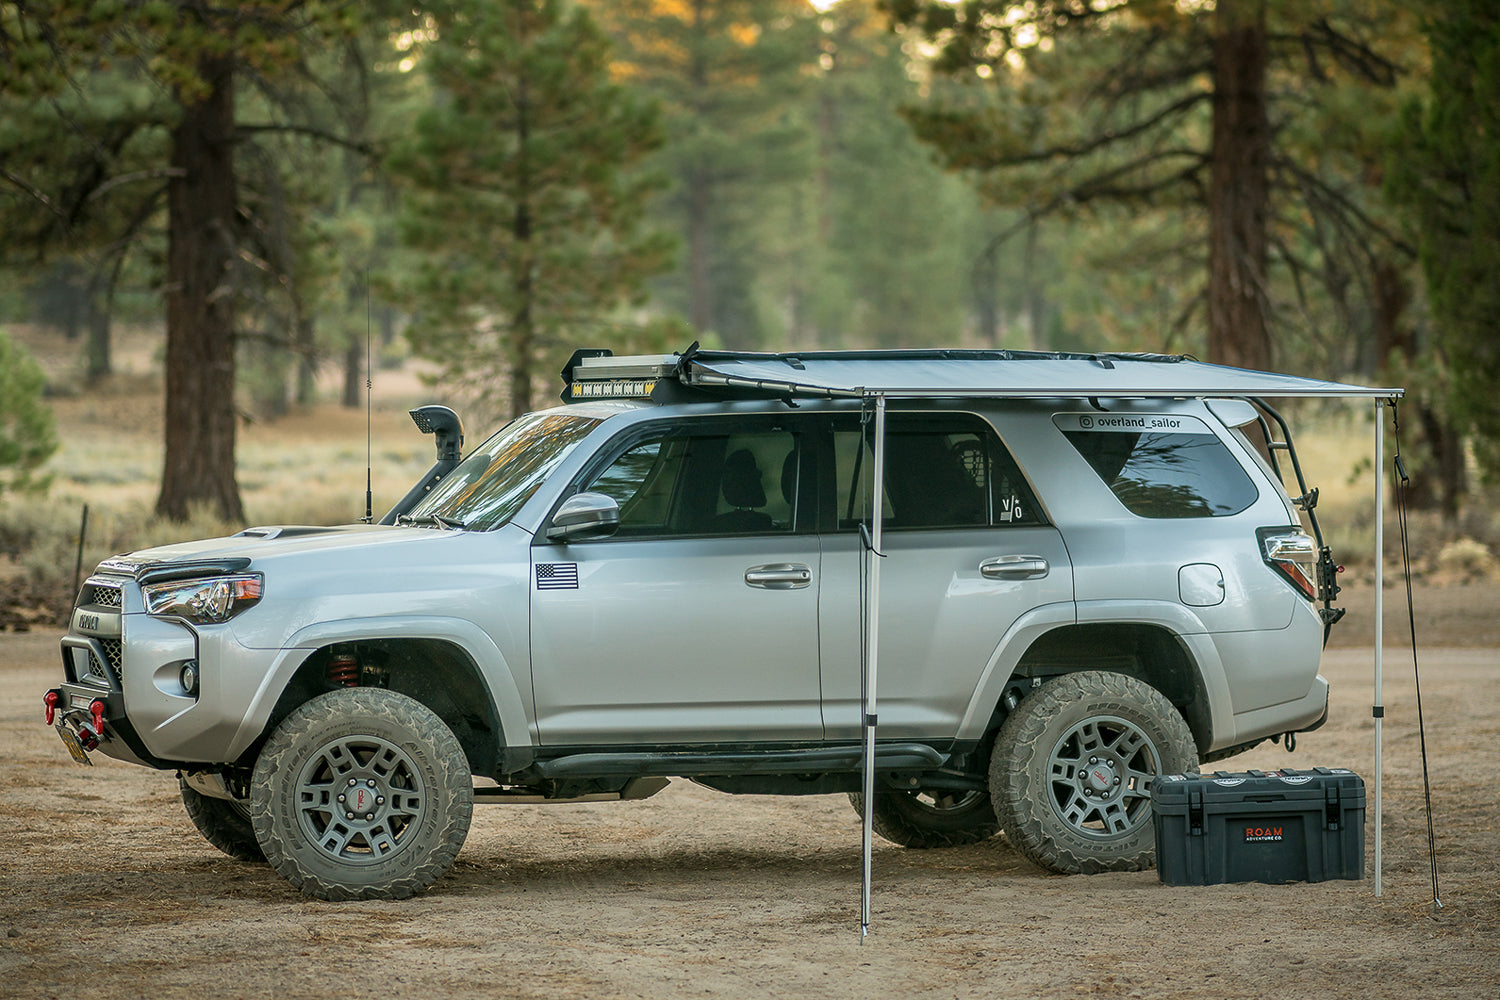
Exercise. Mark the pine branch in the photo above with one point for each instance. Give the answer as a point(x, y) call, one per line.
point(1351, 53)
point(356, 145)
point(1105, 139)
point(1343, 206)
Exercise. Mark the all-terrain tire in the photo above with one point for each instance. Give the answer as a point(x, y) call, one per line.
point(937, 818)
point(1072, 768)
point(361, 793)
point(223, 823)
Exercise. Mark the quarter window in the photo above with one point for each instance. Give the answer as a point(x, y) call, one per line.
point(1160, 466)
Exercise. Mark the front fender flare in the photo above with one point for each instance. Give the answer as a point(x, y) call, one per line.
point(494, 670)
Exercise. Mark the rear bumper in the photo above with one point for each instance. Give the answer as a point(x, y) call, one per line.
point(1299, 716)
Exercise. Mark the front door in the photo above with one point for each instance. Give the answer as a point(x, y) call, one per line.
point(697, 621)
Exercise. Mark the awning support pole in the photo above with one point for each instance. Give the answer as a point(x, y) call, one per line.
point(872, 649)
point(1378, 710)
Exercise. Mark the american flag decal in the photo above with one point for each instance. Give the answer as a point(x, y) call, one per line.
point(556, 576)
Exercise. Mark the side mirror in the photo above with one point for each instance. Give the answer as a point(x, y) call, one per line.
point(586, 515)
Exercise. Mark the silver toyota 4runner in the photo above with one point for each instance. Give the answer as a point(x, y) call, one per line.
point(665, 578)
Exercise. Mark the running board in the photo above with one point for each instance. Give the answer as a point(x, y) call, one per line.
point(888, 757)
point(634, 790)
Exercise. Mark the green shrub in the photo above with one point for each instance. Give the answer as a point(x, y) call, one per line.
point(28, 435)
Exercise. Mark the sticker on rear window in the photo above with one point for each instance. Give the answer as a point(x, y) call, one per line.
point(1130, 423)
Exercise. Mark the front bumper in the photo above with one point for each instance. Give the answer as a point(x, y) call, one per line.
point(134, 664)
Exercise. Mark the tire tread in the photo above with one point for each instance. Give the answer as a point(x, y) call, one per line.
point(1024, 810)
point(316, 716)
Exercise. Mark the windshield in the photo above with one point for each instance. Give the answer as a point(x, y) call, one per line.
point(489, 486)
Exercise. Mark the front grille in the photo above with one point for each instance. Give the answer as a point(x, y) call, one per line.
point(114, 649)
point(114, 656)
point(106, 597)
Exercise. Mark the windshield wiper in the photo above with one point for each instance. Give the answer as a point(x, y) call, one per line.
point(436, 519)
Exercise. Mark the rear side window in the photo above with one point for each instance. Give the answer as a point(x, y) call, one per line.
point(942, 471)
point(1160, 465)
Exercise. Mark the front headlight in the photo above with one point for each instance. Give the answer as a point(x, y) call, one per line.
point(204, 601)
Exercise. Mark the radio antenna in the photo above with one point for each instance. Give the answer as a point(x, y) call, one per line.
point(369, 391)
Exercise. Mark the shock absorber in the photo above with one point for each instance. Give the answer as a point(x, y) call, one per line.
point(343, 669)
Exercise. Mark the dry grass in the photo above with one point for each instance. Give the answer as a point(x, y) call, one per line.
point(307, 468)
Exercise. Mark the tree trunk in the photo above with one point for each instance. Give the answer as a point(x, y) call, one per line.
point(522, 333)
point(1440, 479)
point(200, 412)
point(984, 284)
point(96, 350)
point(1239, 189)
point(356, 298)
point(1036, 303)
point(699, 192)
point(307, 359)
point(354, 366)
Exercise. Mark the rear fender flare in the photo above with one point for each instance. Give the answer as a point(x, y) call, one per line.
point(1174, 618)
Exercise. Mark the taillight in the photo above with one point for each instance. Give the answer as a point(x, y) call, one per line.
point(1292, 554)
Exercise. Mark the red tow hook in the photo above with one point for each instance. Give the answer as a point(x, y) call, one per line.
point(50, 699)
point(90, 735)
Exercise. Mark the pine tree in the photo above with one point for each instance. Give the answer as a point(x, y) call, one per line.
point(730, 76)
point(1146, 106)
point(520, 205)
point(28, 435)
point(1446, 169)
point(191, 56)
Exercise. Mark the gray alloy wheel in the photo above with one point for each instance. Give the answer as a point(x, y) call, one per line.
point(361, 793)
point(223, 823)
point(1072, 769)
point(931, 818)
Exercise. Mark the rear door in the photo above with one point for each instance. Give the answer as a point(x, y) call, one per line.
point(966, 553)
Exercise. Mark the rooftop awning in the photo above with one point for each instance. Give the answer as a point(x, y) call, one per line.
point(1014, 374)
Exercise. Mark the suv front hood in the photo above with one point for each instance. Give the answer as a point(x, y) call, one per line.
point(258, 544)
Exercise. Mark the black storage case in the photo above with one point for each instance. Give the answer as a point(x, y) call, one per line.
point(1259, 826)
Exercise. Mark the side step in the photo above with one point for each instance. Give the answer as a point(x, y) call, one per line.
point(888, 757)
point(634, 790)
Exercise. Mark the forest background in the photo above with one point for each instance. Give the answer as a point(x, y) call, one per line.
point(277, 190)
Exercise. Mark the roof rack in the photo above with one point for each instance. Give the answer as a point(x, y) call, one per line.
point(701, 375)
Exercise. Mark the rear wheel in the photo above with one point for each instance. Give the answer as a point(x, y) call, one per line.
point(361, 793)
point(1072, 768)
point(223, 823)
point(931, 818)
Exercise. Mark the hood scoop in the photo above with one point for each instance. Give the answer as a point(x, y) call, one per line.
point(283, 531)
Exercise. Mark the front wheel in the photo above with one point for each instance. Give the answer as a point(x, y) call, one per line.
point(361, 793)
point(223, 823)
point(1072, 769)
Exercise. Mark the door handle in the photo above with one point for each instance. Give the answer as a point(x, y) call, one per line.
point(779, 576)
point(1014, 568)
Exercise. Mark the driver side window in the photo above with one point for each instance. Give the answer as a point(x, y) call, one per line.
point(705, 482)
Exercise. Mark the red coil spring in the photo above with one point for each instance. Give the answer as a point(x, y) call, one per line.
point(344, 669)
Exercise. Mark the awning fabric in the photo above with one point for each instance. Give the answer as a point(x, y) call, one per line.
point(884, 375)
point(1013, 374)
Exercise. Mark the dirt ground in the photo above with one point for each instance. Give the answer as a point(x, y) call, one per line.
point(106, 890)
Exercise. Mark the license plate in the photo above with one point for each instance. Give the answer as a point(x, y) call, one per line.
point(70, 740)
